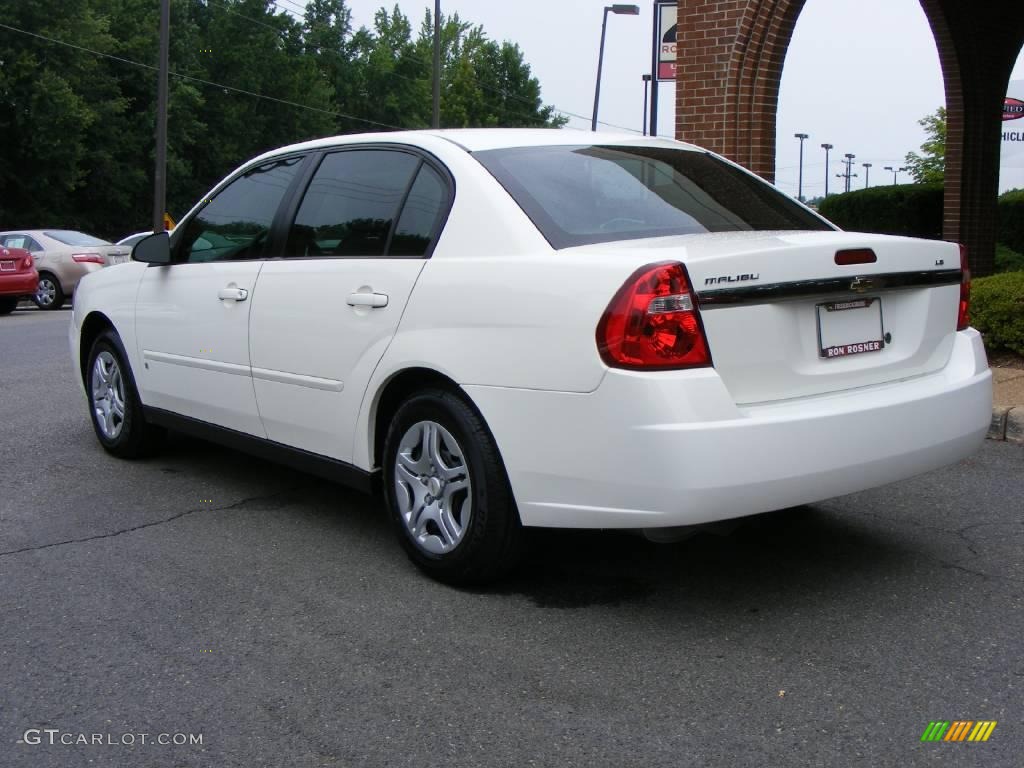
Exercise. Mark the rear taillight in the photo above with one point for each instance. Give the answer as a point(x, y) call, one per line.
point(27, 262)
point(652, 323)
point(88, 258)
point(963, 318)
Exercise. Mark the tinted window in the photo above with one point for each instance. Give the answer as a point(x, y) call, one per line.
point(351, 204)
point(589, 194)
point(235, 224)
point(420, 214)
point(70, 237)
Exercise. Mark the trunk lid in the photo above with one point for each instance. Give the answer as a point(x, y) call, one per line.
point(784, 320)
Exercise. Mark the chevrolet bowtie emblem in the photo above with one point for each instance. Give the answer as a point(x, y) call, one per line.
point(862, 284)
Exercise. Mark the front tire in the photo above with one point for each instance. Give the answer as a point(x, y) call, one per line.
point(114, 403)
point(49, 294)
point(447, 492)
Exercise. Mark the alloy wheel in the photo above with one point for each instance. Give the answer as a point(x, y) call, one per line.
point(47, 292)
point(432, 487)
point(108, 395)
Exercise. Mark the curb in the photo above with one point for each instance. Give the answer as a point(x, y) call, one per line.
point(1007, 424)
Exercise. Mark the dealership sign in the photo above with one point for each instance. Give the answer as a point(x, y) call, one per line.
point(1011, 157)
point(666, 39)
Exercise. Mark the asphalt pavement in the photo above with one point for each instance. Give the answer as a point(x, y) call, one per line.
point(207, 594)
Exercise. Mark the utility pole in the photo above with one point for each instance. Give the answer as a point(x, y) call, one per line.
point(867, 173)
point(160, 172)
point(800, 184)
point(437, 64)
point(849, 167)
point(828, 148)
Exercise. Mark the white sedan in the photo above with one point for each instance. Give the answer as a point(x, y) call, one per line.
point(502, 329)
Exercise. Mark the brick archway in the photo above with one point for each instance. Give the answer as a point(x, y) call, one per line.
point(730, 57)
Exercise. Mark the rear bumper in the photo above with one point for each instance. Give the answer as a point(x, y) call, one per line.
point(18, 283)
point(654, 450)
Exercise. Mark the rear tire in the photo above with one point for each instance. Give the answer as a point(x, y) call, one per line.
point(49, 294)
point(7, 304)
point(114, 404)
point(447, 492)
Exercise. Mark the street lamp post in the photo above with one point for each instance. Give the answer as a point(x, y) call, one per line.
point(160, 172)
point(849, 167)
point(436, 84)
point(827, 148)
point(867, 173)
point(647, 82)
point(623, 10)
point(895, 171)
point(800, 183)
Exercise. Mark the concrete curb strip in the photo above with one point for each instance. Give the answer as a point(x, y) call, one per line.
point(1015, 425)
point(1007, 424)
point(997, 430)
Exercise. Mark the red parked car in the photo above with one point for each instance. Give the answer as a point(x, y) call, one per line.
point(18, 278)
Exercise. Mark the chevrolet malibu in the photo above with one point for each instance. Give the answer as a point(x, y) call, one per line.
point(503, 329)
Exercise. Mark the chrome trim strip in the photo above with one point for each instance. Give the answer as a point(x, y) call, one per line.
point(799, 289)
point(298, 379)
point(195, 362)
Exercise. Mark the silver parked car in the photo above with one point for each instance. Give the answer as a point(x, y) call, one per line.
point(62, 258)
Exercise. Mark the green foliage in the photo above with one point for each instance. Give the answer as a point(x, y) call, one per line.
point(1011, 219)
point(77, 129)
point(929, 167)
point(997, 310)
point(1007, 259)
point(914, 210)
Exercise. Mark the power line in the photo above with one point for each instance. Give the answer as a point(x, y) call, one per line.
point(200, 80)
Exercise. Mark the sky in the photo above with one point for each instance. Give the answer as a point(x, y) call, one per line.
point(859, 74)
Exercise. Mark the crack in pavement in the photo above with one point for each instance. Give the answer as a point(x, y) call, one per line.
point(133, 528)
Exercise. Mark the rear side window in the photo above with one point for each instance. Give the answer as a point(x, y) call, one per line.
point(421, 214)
point(21, 241)
point(352, 203)
point(236, 223)
point(71, 237)
point(576, 195)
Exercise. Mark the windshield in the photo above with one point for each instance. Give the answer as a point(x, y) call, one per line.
point(576, 195)
point(70, 237)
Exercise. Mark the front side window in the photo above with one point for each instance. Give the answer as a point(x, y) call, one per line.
point(351, 204)
point(235, 225)
point(576, 195)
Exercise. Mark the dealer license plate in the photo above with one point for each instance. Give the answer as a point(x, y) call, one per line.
point(851, 327)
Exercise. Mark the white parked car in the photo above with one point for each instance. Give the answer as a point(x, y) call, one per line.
point(514, 328)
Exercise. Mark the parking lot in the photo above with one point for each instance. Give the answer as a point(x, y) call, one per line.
point(206, 592)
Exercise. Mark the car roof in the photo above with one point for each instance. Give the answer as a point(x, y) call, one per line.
point(480, 139)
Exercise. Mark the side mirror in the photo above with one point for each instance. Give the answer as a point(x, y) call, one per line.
point(154, 249)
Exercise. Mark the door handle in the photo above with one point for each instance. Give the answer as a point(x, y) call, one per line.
point(233, 294)
point(368, 300)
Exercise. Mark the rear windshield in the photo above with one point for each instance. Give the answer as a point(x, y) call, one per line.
point(577, 195)
point(70, 237)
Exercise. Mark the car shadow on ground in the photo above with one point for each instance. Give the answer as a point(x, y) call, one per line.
point(764, 559)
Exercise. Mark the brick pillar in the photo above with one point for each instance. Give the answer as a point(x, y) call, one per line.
point(975, 77)
point(729, 65)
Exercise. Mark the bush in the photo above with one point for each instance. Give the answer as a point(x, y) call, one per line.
point(914, 210)
point(1010, 230)
point(1007, 259)
point(997, 310)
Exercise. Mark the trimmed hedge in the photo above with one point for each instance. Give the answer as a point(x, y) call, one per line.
point(1011, 219)
point(997, 310)
point(914, 210)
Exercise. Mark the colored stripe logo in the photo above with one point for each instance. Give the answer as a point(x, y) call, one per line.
point(958, 730)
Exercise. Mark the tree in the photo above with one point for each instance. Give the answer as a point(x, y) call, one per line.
point(929, 166)
point(77, 116)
